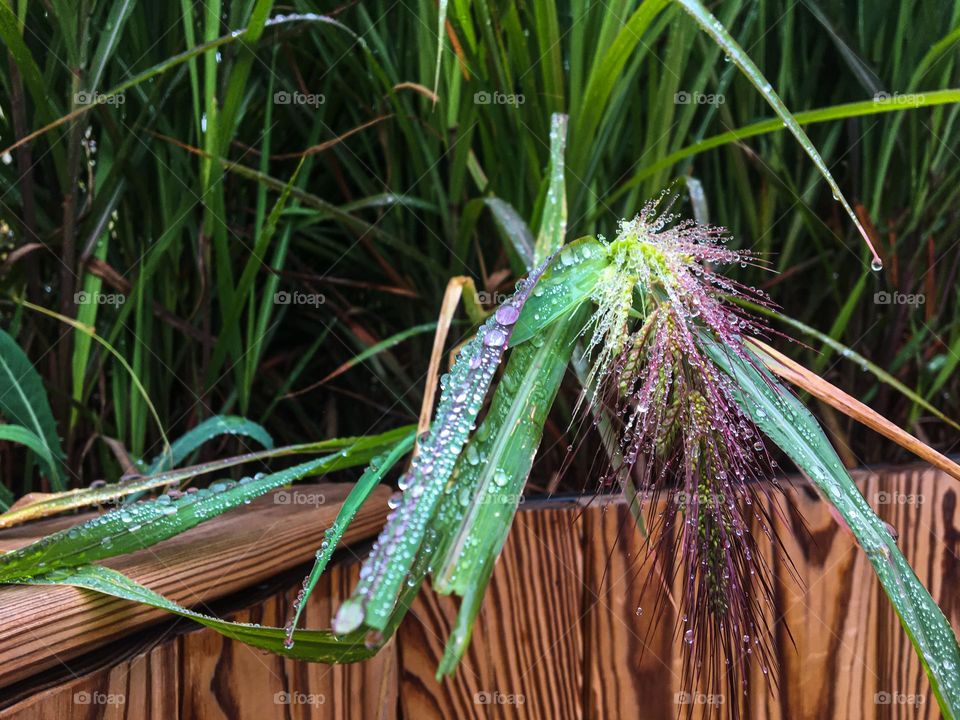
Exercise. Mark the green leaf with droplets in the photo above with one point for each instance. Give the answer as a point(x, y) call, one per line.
point(358, 494)
point(715, 29)
point(566, 284)
point(492, 472)
point(310, 645)
point(52, 504)
point(784, 419)
point(207, 430)
point(463, 392)
point(147, 523)
point(553, 225)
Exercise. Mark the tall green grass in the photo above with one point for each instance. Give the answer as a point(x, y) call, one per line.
point(166, 195)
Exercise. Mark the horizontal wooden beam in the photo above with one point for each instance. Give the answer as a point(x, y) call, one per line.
point(45, 626)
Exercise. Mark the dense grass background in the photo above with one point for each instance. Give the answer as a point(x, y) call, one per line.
point(161, 194)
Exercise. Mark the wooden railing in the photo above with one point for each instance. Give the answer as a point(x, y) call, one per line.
point(567, 629)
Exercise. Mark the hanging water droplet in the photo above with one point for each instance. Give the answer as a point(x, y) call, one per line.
point(876, 265)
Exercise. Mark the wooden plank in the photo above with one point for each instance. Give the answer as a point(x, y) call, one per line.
point(44, 626)
point(144, 687)
point(851, 658)
point(526, 655)
point(226, 679)
point(560, 629)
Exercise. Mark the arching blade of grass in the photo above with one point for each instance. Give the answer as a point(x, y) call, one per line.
point(473, 520)
point(149, 522)
point(92, 334)
point(349, 452)
point(845, 111)
point(718, 32)
point(23, 401)
point(166, 65)
point(310, 645)
point(784, 419)
point(207, 430)
point(25, 436)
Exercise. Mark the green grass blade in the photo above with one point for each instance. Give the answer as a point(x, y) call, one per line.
point(207, 430)
point(808, 117)
point(348, 449)
point(463, 393)
point(553, 225)
point(715, 29)
point(310, 645)
point(147, 523)
point(23, 401)
point(494, 471)
point(784, 419)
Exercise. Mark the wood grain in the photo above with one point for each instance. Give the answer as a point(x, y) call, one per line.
point(525, 658)
point(560, 628)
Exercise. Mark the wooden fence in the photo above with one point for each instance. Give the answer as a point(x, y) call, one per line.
point(559, 636)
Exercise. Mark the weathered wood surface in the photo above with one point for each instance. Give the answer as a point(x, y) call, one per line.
point(560, 635)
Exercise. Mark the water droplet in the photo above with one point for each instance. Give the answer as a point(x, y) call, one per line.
point(876, 265)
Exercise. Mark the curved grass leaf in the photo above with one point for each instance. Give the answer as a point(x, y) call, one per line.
point(207, 430)
point(53, 503)
point(784, 419)
point(311, 645)
point(23, 401)
point(807, 117)
point(715, 29)
point(147, 523)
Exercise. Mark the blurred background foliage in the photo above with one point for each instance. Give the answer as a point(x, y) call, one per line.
point(155, 201)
